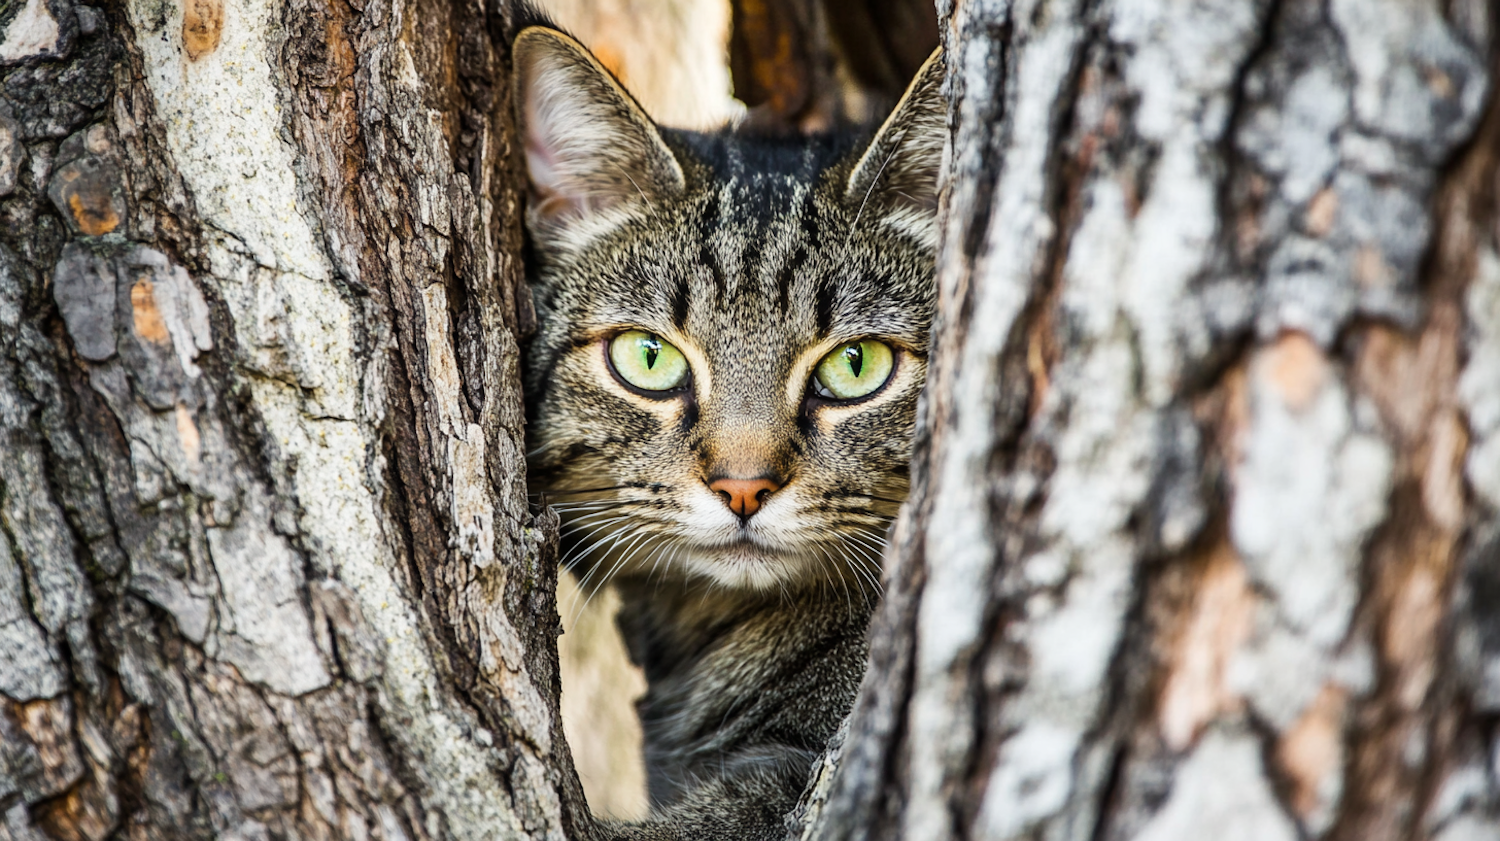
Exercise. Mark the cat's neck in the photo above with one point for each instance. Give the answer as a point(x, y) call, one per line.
point(669, 625)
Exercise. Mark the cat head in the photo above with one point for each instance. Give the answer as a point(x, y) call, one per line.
point(733, 329)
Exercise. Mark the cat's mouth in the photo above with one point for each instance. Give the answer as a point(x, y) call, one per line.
point(746, 563)
point(748, 544)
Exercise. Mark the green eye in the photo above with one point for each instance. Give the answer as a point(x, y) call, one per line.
point(646, 362)
point(853, 370)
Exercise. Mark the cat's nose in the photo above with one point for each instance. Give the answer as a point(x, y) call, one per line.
point(745, 496)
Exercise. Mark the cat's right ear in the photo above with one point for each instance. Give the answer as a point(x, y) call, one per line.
point(896, 179)
point(593, 155)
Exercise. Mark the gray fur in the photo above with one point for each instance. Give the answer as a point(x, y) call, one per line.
point(762, 258)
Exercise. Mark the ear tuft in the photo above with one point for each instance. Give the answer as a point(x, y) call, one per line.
point(590, 149)
point(897, 176)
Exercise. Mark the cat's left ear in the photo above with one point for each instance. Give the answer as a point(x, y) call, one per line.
point(897, 177)
point(592, 154)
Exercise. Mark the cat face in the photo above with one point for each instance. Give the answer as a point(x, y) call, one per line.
point(733, 331)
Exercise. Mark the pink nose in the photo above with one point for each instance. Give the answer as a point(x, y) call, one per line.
point(744, 496)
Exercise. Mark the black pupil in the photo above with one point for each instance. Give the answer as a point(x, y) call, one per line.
point(855, 354)
point(653, 347)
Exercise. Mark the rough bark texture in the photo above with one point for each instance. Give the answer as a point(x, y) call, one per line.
point(267, 567)
point(1203, 540)
point(1205, 533)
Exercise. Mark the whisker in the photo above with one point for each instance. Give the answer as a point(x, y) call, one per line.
point(635, 538)
point(570, 491)
point(879, 544)
point(590, 520)
point(895, 147)
point(622, 530)
point(676, 550)
point(870, 541)
point(866, 575)
point(649, 205)
point(566, 507)
point(865, 564)
point(828, 558)
point(868, 597)
point(875, 498)
point(656, 552)
point(585, 546)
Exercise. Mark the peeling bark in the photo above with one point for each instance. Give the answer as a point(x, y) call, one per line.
point(1202, 525)
point(267, 566)
point(1205, 523)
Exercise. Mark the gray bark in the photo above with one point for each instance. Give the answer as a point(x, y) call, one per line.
point(267, 567)
point(1203, 536)
point(1205, 532)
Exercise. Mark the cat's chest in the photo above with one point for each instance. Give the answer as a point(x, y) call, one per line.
point(783, 671)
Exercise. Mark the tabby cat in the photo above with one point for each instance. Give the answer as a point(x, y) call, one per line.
point(723, 393)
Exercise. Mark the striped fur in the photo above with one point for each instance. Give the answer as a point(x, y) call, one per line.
point(755, 257)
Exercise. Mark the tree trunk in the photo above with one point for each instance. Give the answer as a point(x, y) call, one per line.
point(1203, 541)
point(267, 566)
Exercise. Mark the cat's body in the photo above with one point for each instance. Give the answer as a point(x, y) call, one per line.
point(733, 337)
point(744, 695)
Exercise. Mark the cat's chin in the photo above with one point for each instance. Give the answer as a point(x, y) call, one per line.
point(746, 565)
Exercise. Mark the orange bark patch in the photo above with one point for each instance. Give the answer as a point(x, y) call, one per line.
point(82, 814)
point(1370, 268)
point(93, 213)
point(1036, 366)
point(1408, 379)
point(1438, 82)
point(1215, 626)
point(187, 435)
point(1247, 221)
point(49, 725)
point(202, 27)
point(149, 324)
point(1296, 368)
point(1390, 748)
point(90, 191)
point(1442, 479)
point(1402, 741)
point(1312, 750)
point(1416, 608)
point(1412, 382)
point(1322, 211)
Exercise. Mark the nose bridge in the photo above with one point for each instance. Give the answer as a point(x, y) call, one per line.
point(746, 425)
point(746, 434)
point(747, 449)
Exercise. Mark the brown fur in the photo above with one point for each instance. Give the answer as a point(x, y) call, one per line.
point(755, 258)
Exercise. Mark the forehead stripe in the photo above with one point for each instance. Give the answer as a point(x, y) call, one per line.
point(679, 302)
point(787, 274)
point(707, 224)
point(824, 300)
point(808, 222)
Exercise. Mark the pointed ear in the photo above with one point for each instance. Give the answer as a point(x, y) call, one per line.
point(590, 149)
point(897, 176)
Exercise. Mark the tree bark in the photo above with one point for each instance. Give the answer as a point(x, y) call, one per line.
point(1203, 539)
point(1203, 534)
point(267, 566)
